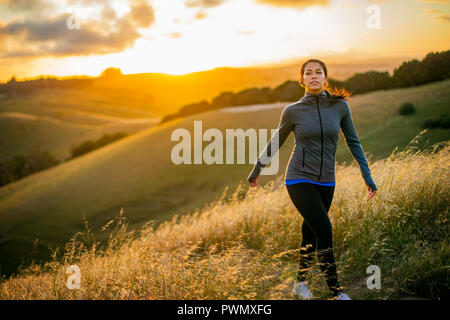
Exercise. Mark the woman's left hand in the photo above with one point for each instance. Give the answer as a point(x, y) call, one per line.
point(371, 192)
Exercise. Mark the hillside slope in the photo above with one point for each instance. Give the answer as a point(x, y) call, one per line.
point(56, 120)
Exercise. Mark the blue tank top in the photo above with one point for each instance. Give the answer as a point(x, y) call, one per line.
point(293, 181)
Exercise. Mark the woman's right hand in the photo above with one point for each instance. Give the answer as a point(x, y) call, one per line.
point(253, 182)
point(254, 175)
point(371, 191)
point(371, 187)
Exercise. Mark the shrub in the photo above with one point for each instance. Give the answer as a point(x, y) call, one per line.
point(442, 122)
point(431, 123)
point(90, 145)
point(445, 121)
point(407, 108)
point(21, 166)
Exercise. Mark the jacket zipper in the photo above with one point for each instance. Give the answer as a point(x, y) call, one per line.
point(303, 156)
point(321, 137)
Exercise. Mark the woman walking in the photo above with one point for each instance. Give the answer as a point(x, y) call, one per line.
point(310, 176)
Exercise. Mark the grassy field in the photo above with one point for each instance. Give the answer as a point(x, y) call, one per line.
point(136, 173)
point(246, 246)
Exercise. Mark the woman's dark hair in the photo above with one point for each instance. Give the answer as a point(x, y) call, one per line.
point(335, 93)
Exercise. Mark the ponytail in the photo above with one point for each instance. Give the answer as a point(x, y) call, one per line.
point(336, 94)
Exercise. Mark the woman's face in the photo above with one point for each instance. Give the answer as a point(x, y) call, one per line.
point(314, 79)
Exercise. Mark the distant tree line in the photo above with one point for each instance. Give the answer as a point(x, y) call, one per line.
point(21, 166)
point(434, 67)
point(288, 91)
point(14, 87)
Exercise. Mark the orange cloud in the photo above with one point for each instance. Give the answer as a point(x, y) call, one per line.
point(295, 3)
point(444, 18)
point(200, 15)
point(203, 3)
point(142, 14)
point(175, 35)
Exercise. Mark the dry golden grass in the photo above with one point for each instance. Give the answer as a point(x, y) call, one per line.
point(246, 247)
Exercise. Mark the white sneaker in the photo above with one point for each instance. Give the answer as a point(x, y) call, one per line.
point(301, 289)
point(342, 296)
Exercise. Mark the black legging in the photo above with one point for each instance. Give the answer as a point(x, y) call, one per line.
point(313, 202)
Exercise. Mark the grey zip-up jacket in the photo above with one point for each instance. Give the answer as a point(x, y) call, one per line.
point(315, 121)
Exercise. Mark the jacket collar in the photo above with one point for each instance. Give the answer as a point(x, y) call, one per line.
point(309, 98)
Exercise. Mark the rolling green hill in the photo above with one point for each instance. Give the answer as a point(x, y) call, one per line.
point(57, 119)
point(136, 173)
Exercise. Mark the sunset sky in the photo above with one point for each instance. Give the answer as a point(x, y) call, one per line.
point(181, 36)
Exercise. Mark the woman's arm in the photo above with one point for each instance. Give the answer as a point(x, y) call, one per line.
point(355, 147)
point(284, 128)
